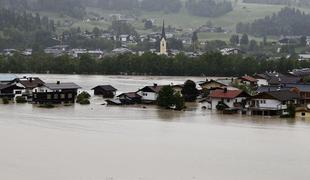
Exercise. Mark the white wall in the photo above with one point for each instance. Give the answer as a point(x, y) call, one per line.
point(267, 103)
point(148, 96)
point(228, 102)
point(262, 82)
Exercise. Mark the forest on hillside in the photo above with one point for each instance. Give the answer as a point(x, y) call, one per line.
point(77, 8)
point(289, 21)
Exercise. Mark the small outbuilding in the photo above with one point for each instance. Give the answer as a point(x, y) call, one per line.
point(107, 91)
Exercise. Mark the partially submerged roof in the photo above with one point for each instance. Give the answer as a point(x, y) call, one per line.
point(7, 77)
point(31, 82)
point(248, 78)
point(227, 94)
point(5, 86)
point(106, 88)
point(278, 95)
point(211, 81)
point(154, 88)
point(130, 95)
point(62, 86)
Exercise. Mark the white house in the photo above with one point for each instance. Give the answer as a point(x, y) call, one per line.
point(272, 103)
point(231, 98)
point(149, 94)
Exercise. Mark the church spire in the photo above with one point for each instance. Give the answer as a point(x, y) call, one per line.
point(163, 32)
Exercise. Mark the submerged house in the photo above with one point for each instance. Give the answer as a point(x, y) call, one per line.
point(29, 83)
point(247, 80)
point(272, 103)
point(10, 90)
point(211, 84)
point(130, 98)
point(149, 94)
point(230, 98)
point(55, 93)
point(107, 91)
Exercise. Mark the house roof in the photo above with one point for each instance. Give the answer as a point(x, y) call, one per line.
point(7, 77)
point(61, 86)
point(227, 94)
point(211, 81)
point(31, 82)
point(130, 95)
point(278, 95)
point(248, 78)
point(263, 88)
point(4, 86)
point(106, 88)
point(300, 87)
point(154, 88)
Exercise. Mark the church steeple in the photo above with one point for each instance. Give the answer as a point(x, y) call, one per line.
point(163, 41)
point(163, 31)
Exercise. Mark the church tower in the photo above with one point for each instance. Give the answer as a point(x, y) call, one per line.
point(163, 41)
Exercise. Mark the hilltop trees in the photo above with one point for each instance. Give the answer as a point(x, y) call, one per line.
point(208, 8)
point(25, 29)
point(288, 21)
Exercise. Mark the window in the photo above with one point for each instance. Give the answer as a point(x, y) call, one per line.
point(35, 90)
point(303, 114)
point(144, 94)
point(69, 95)
point(55, 96)
point(228, 100)
point(49, 96)
point(35, 96)
point(62, 96)
point(18, 92)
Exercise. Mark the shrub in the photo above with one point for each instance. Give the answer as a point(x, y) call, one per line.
point(5, 100)
point(84, 102)
point(82, 96)
point(20, 99)
point(48, 106)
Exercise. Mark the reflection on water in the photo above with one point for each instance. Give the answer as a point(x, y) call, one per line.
point(132, 142)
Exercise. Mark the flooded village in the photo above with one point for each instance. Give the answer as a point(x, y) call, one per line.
point(265, 94)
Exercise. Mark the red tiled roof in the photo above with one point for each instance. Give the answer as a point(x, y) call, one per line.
point(229, 94)
point(249, 78)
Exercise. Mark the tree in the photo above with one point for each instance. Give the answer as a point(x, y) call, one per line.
point(244, 39)
point(234, 39)
point(195, 40)
point(253, 45)
point(179, 102)
point(303, 41)
point(190, 91)
point(166, 97)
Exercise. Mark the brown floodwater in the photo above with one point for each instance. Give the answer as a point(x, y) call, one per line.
point(134, 143)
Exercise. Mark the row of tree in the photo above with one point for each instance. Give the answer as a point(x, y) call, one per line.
point(212, 64)
point(280, 2)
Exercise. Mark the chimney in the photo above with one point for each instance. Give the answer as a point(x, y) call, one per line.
point(58, 82)
point(155, 85)
point(30, 79)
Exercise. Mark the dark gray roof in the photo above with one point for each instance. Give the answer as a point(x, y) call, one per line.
point(301, 87)
point(60, 86)
point(261, 89)
point(106, 87)
point(284, 95)
point(279, 95)
point(301, 72)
